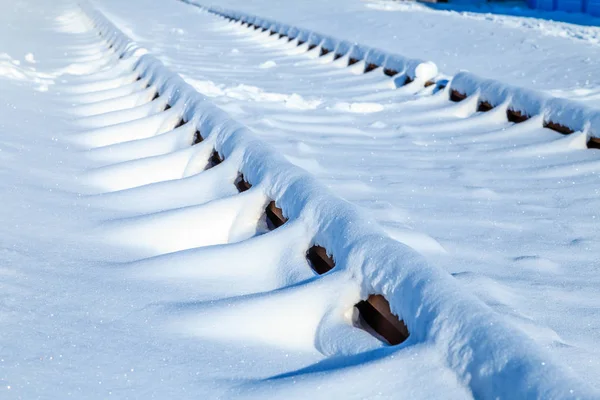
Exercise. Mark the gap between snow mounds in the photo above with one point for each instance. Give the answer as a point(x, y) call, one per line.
point(492, 358)
point(561, 115)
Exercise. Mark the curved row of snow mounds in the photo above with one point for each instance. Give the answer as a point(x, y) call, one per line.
point(491, 357)
point(570, 115)
point(413, 69)
point(566, 116)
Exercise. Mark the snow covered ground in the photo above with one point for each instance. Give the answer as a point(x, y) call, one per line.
point(110, 287)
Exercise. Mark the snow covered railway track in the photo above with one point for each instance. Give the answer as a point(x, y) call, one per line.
point(208, 201)
point(404, 71)
point(560, 115)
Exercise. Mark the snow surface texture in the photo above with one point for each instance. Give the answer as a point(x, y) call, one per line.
point(122, 292)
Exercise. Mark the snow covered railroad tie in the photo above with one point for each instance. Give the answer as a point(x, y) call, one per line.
point(316, 272)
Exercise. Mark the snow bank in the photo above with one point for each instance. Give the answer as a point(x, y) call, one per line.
point(490, 356)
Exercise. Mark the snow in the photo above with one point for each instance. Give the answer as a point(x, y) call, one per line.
point(131, 271)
